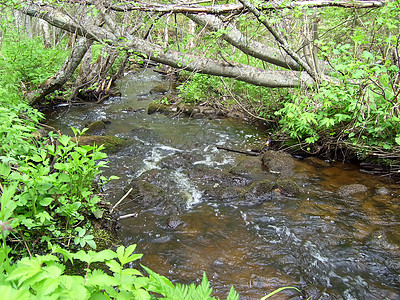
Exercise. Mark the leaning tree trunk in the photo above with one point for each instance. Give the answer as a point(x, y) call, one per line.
point(64, 74)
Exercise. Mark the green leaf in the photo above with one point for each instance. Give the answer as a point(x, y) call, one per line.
point(92, 256)
point(64, 140)
point(141, 294)
point(125, 255)
point(100, 279)
point(46, 201)
point(65, 253)
point(233, 295)
point(26, 269)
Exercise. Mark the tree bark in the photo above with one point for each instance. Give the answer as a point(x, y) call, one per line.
point(253, 48)
point(65, 73)
point(170, 57)
point(238, 7)
point(282, 42)
point(215, 67)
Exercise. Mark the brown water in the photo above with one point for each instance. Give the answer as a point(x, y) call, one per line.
point(329, 246)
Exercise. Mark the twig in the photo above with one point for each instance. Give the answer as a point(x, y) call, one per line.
point(26, 245)
point(127, 216)
point(122, 199)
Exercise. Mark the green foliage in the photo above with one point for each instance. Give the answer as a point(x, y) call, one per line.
point(362, 105)
point(163, 286)
point(44, 276)
point(55, 189)
point(200, 88)
point(25, 61)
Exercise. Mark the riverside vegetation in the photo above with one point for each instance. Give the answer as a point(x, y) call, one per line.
point(48, 199)
point(359, 111)
point(48, 195)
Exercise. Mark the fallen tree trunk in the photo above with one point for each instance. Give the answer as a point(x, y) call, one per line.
point(218, 9)
point(253, 48)
point(171, 57)
point(64, 74)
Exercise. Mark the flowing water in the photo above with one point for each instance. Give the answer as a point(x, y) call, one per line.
point(330, 246)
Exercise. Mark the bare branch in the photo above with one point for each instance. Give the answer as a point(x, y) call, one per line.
point(237, 7)
point(174, 58)
point(282, 42)
point(253, 48)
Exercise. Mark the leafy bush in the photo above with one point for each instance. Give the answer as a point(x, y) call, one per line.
point(25, 61)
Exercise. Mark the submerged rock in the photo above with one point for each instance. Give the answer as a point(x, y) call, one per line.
point(287, 187)
point(161, 88)
point(258, 192)
point(351, 189)
point(159, 191)
point(173, 222)
point(279, 163)
point(157, 107)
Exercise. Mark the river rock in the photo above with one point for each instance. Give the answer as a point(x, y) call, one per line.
point(157, 107)
point(219, 184)
point(248, 166)
point(96, 128)
point(351, 189)
point(161, 88)
point(279, 163)
point(287, 187)
point(382, 191)
point(258, 192)
point(179, 160)
point(173, 222)
point(318, 163)
point(156, 190)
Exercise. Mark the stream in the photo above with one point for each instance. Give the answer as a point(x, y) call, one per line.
point(205, 210)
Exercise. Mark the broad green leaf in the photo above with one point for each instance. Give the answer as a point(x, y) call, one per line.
point(100, 279)
point(46, 201)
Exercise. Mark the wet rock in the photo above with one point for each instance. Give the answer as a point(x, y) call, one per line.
point(219, 184)
point(287, 187)
point(173, 222)
point(258, 192)
point(318, 163)
point(382, 191)
point(111, 143)
point(352, 189)
point(162, 240)
point(156, 190)
point(279, 163)
point(206, 176)
point(161, 88)
point(248, 166)
point(157, 107)
point(96, 128)
point(179, 160)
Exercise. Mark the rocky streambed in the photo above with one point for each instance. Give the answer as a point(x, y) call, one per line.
point(255, 222)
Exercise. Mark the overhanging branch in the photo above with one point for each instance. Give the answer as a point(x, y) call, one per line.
point(238, 7)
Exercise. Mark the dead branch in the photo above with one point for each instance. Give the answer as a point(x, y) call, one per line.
point(237, 7)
